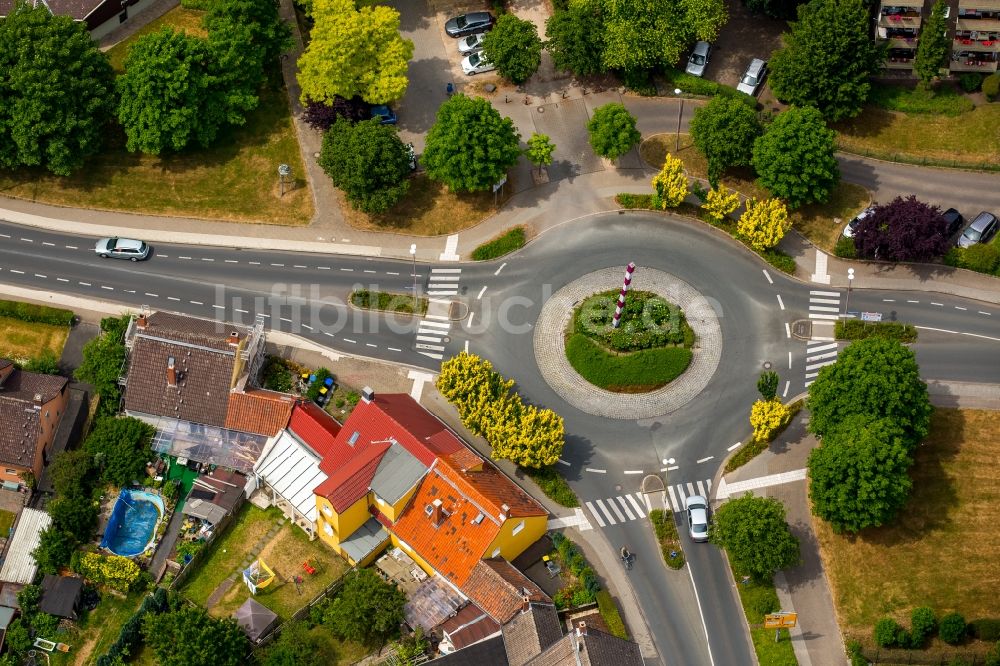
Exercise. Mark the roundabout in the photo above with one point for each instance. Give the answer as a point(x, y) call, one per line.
point(559, 374)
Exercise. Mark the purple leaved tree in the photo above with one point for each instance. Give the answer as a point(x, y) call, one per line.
point(902, 230)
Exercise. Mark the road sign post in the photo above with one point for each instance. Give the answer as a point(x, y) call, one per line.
point(779, 621)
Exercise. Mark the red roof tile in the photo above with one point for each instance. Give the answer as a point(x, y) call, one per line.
point(351, 482)
point(259, 411)
point(499, 589)
point(315, 427)
point(491, 488)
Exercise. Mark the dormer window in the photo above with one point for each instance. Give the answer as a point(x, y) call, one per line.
point(354, 438)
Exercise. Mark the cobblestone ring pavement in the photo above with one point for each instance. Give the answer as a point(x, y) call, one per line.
point(550, 353)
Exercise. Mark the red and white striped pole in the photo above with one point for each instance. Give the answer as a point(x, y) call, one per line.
point(621, 296)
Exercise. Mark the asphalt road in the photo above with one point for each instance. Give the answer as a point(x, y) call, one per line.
point(305, 294)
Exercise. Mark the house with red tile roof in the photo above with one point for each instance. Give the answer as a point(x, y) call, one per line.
point(31, 406)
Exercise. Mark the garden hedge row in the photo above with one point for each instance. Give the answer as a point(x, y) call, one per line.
point(853, 329)
point(36, 314)
point(131, 633)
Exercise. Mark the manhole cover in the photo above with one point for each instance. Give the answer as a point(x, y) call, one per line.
point(618, 488)
point(767, 365)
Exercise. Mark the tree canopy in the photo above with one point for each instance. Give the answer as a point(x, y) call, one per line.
point(103, 359)
point(186, 635)
point(540, 149)
point(902, 230)
point(368, 162)
point(612, 131)
point(121, 449)
point(828, 59)
point(858, 474)
point(934, 46)
point(56, 91)
point(576, 40)
point(295, 646)
point(514, 47)
point(470, 146)
point(724, 131)
point(754, 534)
point(876, 376)
point(794, 159)
point(367, 609)
point(352, 52)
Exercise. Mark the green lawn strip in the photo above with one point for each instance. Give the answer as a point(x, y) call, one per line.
point(853, 329)
point(334, 651)
point(22, 340)
point(610, 614)
point(388, 302)
point(757, 600)
point(100, 626)
point(507, 242)
point(639, 371)
point(667, 537)
point(944, 100)
point(6, 521)
point(553, 485)
point(228, 552)
point(753, 448)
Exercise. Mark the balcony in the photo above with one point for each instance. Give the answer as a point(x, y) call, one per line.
point(982, 5)
point(986, 67)
point(899, 21)
point(897, 63)
point(978, 46)
point(903, 43)
point(977, 24)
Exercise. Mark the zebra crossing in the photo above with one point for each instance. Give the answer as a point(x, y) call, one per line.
point(636, 506)
point(432, 334)
point(819, 353)
point(443, 282)
point(432, 330)
point(824, 305)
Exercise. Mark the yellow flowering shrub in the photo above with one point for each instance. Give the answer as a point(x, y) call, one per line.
point(720, 202)
point(764, 223)
point(670, 185)
point(766, 417)
point(113, 570)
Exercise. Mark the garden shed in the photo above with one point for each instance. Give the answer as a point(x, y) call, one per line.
point(255, 619)
point(61, 596)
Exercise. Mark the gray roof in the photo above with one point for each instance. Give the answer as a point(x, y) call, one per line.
point(531, 632)
point(18, 565)
point(199, 508)
point(484, 653)
point(255, 619)
point(590, 647)
point(365, 540)
point(6, 615)
point(60, 595)
point(397, 472)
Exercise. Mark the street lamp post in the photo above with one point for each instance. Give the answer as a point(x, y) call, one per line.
point(413, 256)
point(680, 113)
point(850, 281)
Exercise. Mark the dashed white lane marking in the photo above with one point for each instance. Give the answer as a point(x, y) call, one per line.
point(39, 275)
point(371, 345)
point(28, 240)
point(196, 303)
point(347, 270)
point(497, 271)
point(353, 342)
point(62, 280)
point(673, 467)
point(219, 307)
point(704, 460)
point(237, 309)
point(157, 296)
point(395, 349)
point(912, 301)
point(207, 259)
point(171, 298)
point(299, 266)
point(49, 244)
point(563, 462)
point(984, 313)
point(735, 446)
point(788, 330)
point(254, 263)
point(307, 327)
point(12, 270)
point(784, 394)
point(781, 303)
point(596, 471)
point(391, 273)
point(632, 471)
point(108, 288)
point(72, 247)
point(328, 333)
point(130, 291)
point(366, 270)
point(888, 300)
point(4, 235)
point(163, 256)
point(768, 276)
point(183, 257)
point(466, 346)
point(285, 319)
point(279, 265)
point(85, 284)
point(959, 307)
point(472, 315)
point(940, 305)
point(789, 360)
point(481, 292)
point(232, 261)
point(322, 268)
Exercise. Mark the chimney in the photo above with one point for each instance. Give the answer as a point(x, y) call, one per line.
point(234, 338)
point(437, 513)
point(171, 372)
point(367, 394)
point(525, 603)
point(581, 628)
point(141, 321)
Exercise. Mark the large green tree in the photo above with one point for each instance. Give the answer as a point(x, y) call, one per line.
point(188, 636)
point(575, 40)
point(295, 646)
point(514, 47)
point(934, 46)
point(54, 550)
point(56, 91)
point(724, 131)
point(367, 609)
point(795, 160)
point(368, 162)
point(858, 474)
point(612, 131)
point(352, 52)
point(828, 58)
point(878, 377)
point(120, 447)
point(172, 96)
point(470, 146)
point(754, 534)
point(103, 359)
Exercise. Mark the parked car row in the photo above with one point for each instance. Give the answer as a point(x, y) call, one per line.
point(749, 83)
point(469, 29)
point(981, 230)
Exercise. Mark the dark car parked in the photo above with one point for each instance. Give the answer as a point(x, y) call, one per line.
point(467, 24)
point(953, 221)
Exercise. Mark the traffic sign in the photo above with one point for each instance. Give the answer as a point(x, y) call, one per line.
point(780, 620)
point(871, 316)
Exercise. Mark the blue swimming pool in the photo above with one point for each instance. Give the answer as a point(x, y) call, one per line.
point(132, 526)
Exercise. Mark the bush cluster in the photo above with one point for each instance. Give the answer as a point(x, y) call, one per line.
point(609, 613)
point(36, 314)
point(667, 537)
point(634, 201)
point(647, 321)
point(131, 632)
point(504, 244)
point(986, 629)
point(554, 486)
point(970, 81)
point(587, 586)
point(981, 257)
point(853, 329)
point(388, 302)
point(951, 629)
point(114, 571)
point(277, 376)
point(695, 85)
point(991, 86)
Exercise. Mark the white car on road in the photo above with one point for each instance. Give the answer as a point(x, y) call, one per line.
point(697, 517)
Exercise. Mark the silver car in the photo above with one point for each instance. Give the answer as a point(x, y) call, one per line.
point(122, 248)
point(467, 45)
point(699, 59)
point(697, 516)
point(476, 63)
point(980, 231)
point(752, 78)
point(852, 226)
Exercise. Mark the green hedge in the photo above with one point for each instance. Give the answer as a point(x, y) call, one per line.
point(553, 485)
point(587, 585)
point(609, 613)
point(633, 201)
point(36, 314)
point(853, 329)
point(695, 85)
point(382, 300)
point(130, 635)
point(503, 244)
point(639, 371)
point(648, 321)
point(667, 537)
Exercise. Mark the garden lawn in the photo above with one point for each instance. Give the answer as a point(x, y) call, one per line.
point(820, 223)
point(96, 631)
point(754, 597)
point(970, 139)
point(235, 179)
point(635, 372)
point(941, 550)
point(22, 340)
point(430, 209)
point(229, 551)
point(285, 555)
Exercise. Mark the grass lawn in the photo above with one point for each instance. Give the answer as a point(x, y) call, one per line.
point(635, 372)
point(94, 634)
point(430, 209)
point(941, 550)
point(667, 536)
point(754, 598)
point(969, 139)
point(285, 555)
point(820, 223)
point(22, 340)
point(6, 522)
point(184, 20)
point(235, 179)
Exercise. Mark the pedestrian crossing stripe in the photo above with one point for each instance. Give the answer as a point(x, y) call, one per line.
point(677, 493)
point(824, 305)
point(635, 506)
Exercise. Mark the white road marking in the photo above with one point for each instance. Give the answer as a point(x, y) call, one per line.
point(596, 515)
point(816, 315)
point(614, 507)
point(563, 462)
point(366, 270)
point(819, 357)
point(596, 471)
point(237, 309)
point(780, 302)
point(428, 338)
point(391, 273)
point(307, 327)
point(438, 317)
point(943, 330)
point(984, 313)
point(607, 514)
point(157, 296)
point(788, 330)
point(196, 302)
point(959, 307)
point(466, 346)
point(823, 308)
point(353, 342)
point(625, 507)
point(940, 305)
point(481, 292)
point(13, 270)
point(4, 235)
point(673, 467)
point(371, 345)
point(820, 348)
point(638, 507)
point(255, 263)
point(232, 261)
point(49, 244)
point(62, 279)
point(108, 288)
point(446, 270)
point(831, 301)
point(347, 270)
point(39, 275)
point(912, 301)
point(286, 320)
point(735, 446)
point(395, 349)
point(784, 394)
point(701, 490)
point(789, 360)
point(207, 259)
point(632, 471)
point(768, 276)
point(888, 300)
point(183, 257)
point(68, 247)
point(85, 284)
point(219, 307)
point(279, 265)
point(299, 266)
point(171, 298)
point(673, 498)
point(704, 460)
point(813, 292)
point(472, 316)
point(27, 240)
point(497, 272)
point(323, 268)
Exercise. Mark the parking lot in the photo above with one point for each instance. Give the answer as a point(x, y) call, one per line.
point(743, 38)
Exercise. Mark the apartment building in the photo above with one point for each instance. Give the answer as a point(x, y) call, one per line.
point(973, 28)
